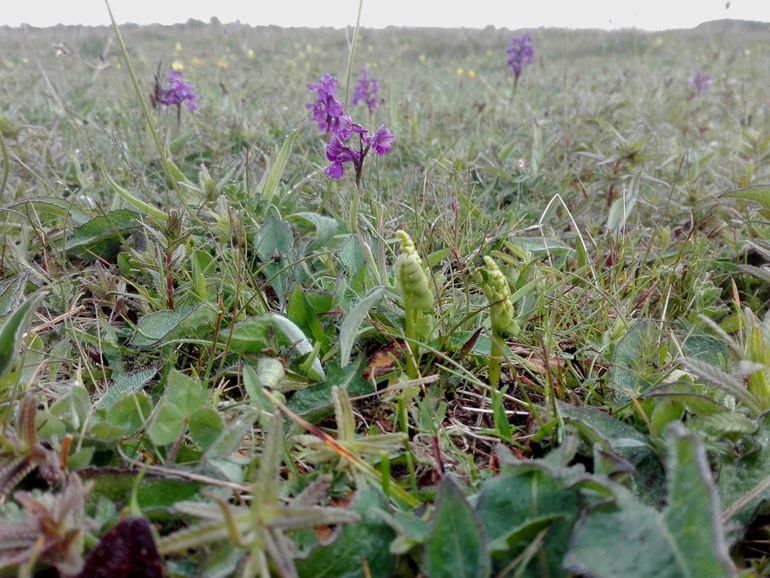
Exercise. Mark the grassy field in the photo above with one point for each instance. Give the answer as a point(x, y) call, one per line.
point(529, 340)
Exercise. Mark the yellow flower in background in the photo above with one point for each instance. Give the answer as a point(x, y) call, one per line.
point(178, 47)
point(177, 65)
point(223, 64)
point(196, 61)
point(471, 74)
point(249, 54)
point(460, 71)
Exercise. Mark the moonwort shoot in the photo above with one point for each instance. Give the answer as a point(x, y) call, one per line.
point(496, 288)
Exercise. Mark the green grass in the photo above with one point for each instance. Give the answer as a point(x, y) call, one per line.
point(197, 333)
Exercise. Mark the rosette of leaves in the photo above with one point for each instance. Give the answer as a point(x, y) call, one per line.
point(370, 447)
point(256, 535)
point(416, 295)
point(49, 529)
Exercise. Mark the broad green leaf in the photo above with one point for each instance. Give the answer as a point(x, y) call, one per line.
point(278, 166)
point(230, 439)
point(13, 330)
point(50, 207)
point(352, 323)
point(185, 392)
point(206, 425)
point(635, 361)
point(294, 336)
point(686, 539)
point(100, 237)
point(166, 425)
point(524, 533)
point(12, 293)
point(273, 243)
point(153, 494)
point(359, 546)
point(73, 407)
point(757, 193)
point(154, 328)
point(314, 403)
point(250, 335)
point(521, 496)
point(135, 201)
point(325, 227)
point(253, 335)
point(596, 426)
point(301, 312)
point(622, 206)
point(741, 478)
point(122, 418)
point(455, 548)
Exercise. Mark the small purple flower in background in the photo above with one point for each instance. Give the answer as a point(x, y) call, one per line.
point(340, 151)
point(366, 91)
point(326, 109)
point(701, 81)
point(178, 92)
point(521, 53)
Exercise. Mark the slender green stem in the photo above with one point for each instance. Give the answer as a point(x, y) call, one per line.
point(355, 203)
point(171, 172)
point(410, 329)
point(513, 90)
point(403, 421)
point(495, 354)
point(6, 165)
point(352, 51)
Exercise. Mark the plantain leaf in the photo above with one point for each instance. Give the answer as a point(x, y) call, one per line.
point(100, 237)
point(278, 166)
point(358, 546)
point(686, 539)
point(455, 548)
point(353, 320)
point(757, 193)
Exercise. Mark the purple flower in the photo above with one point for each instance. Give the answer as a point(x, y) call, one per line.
point(521, 53)
point(701, 81)
point(382, 140)
point(346, 127)
point(178, 92)
point(338, 154)
point(344, 148)
point(326, 109)
point(366, 91)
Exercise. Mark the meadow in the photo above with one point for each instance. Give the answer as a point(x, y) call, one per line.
point(488, 325)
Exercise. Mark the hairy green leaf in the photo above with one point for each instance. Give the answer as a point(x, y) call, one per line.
point(686, 539)
point(455, 547)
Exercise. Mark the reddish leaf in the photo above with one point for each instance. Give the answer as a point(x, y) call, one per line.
point(126, 551)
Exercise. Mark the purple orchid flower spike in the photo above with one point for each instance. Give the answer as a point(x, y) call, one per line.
point(366, 91)
point(701, 82)
point(326, 109)
point(343, 147)
point(521, 53)
point(177, 93)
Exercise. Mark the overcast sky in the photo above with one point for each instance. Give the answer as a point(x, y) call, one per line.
point(644, 14)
